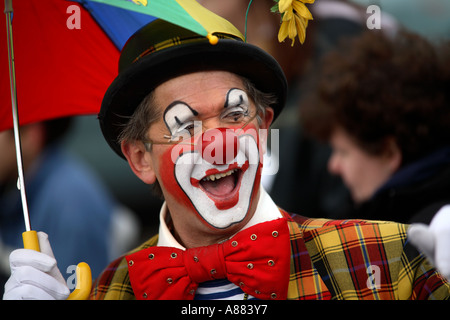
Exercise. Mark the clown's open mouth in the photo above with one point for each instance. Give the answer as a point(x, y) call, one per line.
point(221, 184)
point(221, 194)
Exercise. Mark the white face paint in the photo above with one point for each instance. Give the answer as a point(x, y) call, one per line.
point(221, 192)
point(220, 206)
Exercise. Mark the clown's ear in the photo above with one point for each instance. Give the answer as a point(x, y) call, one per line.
point(140, 160)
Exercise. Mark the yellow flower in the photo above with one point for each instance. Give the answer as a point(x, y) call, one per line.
point(295, 17)
point(283, 5)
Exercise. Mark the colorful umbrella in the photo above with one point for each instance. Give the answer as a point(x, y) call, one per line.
point(64, 56)
point(63, 68)
point(60, 71)
point(184, 13)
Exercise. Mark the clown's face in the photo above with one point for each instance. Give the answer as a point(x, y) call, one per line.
point(211, 178)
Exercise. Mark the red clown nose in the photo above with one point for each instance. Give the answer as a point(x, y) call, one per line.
point(218, 146)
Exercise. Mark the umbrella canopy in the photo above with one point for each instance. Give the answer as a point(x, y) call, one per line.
point(184, 13)
point(118, 24)
point(61, 71)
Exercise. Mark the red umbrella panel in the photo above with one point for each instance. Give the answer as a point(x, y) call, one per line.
point(64, 62)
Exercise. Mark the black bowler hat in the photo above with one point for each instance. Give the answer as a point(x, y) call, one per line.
point(161, 50)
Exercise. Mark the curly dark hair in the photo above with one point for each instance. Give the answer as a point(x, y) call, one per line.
point(375, 87)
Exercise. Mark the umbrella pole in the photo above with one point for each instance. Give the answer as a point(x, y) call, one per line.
point(12, 81)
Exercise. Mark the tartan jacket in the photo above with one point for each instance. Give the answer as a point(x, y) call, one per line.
point(330, 259)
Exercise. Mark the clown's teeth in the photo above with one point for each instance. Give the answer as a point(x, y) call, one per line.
point(217, 176)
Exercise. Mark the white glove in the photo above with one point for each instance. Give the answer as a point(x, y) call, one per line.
point(35, 275)
point(434, 240)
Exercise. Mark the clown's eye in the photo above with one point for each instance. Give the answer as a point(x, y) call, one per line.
point(236, 106)
point(235, 114)
point(178, 118)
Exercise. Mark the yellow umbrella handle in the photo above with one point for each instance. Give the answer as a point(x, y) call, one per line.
point(83, 271)
point(30, 240)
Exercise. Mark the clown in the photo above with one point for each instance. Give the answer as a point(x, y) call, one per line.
point(210, 170)
point(191, 118)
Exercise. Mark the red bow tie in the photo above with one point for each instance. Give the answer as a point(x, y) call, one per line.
point(256, 259)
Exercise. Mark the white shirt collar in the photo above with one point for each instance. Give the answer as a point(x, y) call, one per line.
point(266, 210)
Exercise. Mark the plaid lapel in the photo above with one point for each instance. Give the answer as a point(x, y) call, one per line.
point(305, 283)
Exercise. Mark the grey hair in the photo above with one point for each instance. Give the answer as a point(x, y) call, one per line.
point(137, 126)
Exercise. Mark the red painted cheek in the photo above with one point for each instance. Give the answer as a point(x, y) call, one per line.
point(168, 179)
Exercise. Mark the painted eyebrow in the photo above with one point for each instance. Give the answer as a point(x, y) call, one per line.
point(174, 103)
point(227, 101)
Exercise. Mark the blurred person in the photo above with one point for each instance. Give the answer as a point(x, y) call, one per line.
point(65, 198)
point(383, 105)
point(189, 118)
